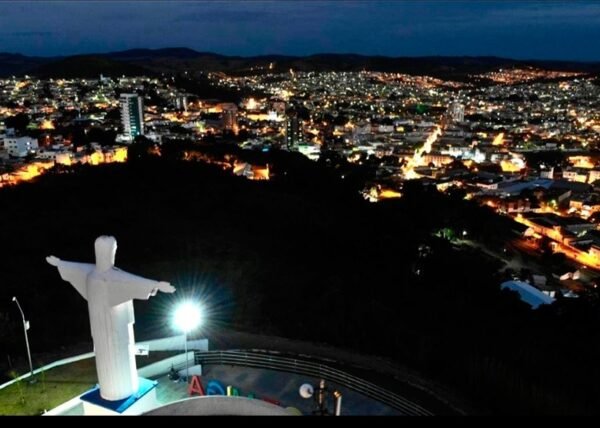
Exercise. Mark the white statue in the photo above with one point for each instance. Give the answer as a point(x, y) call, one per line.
point(109, 292)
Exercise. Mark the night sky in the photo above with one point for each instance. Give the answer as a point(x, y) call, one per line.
point(516, 29)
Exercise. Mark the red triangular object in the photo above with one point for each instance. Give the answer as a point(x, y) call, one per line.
point(196, 386)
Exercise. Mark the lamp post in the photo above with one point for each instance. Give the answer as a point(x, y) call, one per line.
point(25, 328)
point(187, 317)
point(187, 375)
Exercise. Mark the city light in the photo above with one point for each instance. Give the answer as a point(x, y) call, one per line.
point(47, 125)
point(417, 159)
point(498, 140)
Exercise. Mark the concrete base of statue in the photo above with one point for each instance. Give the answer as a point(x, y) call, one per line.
point(140, 402)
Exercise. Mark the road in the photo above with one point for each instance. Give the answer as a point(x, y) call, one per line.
point(516, 262)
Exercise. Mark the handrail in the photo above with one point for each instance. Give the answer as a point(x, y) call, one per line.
point(267, 360)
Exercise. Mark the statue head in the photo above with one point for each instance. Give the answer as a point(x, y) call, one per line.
point(106, 248)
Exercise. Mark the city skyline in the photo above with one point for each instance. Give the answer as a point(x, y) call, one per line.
point(554, 30)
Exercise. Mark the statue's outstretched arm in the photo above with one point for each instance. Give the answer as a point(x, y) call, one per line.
point(73, 272)
point(126, 286)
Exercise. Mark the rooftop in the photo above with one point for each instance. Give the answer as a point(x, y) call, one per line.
point(528, 293)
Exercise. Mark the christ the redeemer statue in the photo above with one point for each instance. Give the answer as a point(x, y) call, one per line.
point(109, 292)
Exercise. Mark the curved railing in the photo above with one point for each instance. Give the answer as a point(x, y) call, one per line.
point(58, 363)
point(267, 360)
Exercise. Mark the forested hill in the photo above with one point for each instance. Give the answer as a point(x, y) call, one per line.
point(301, 256)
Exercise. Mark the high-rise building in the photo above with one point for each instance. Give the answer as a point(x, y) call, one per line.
point(293, 134)
point(132, 115)
point(181, 102)
point(229, 117)
point(456, 112)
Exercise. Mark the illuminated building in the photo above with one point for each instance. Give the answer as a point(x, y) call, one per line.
point(251, 172)
point(181, 102)
point(437, 159)
point(293, 136)
point(575, 174)
point(229, 118)
point(311, 151)
point(456, 112)
point(593, 176)
point(132, 115)
point(20, 147)
point(278, 107)
point(59, 157)
point(251, 104)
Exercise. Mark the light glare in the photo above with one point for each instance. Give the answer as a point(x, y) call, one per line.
point(187, 317)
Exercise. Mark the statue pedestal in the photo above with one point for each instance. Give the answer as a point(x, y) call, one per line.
point(142, 401)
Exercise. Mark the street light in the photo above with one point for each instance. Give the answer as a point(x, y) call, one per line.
point(25, 328)
point(187, 317)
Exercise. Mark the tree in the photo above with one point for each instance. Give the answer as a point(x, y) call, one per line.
point(456, 193)
point(141, 148)
point(114, 114)
point(98, 135)
point(545, 247)
point(19, 122)
point(557, 259)
point(175, 149)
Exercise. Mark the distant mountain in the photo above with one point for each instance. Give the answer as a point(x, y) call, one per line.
point(88, 67)
point(17, 64)
point(177, 60)
point(134, 54)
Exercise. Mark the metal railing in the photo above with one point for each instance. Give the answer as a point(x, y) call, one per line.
point(48, 367)
point(267, 360)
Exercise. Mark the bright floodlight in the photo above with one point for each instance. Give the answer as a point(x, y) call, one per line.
point(187, 317)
